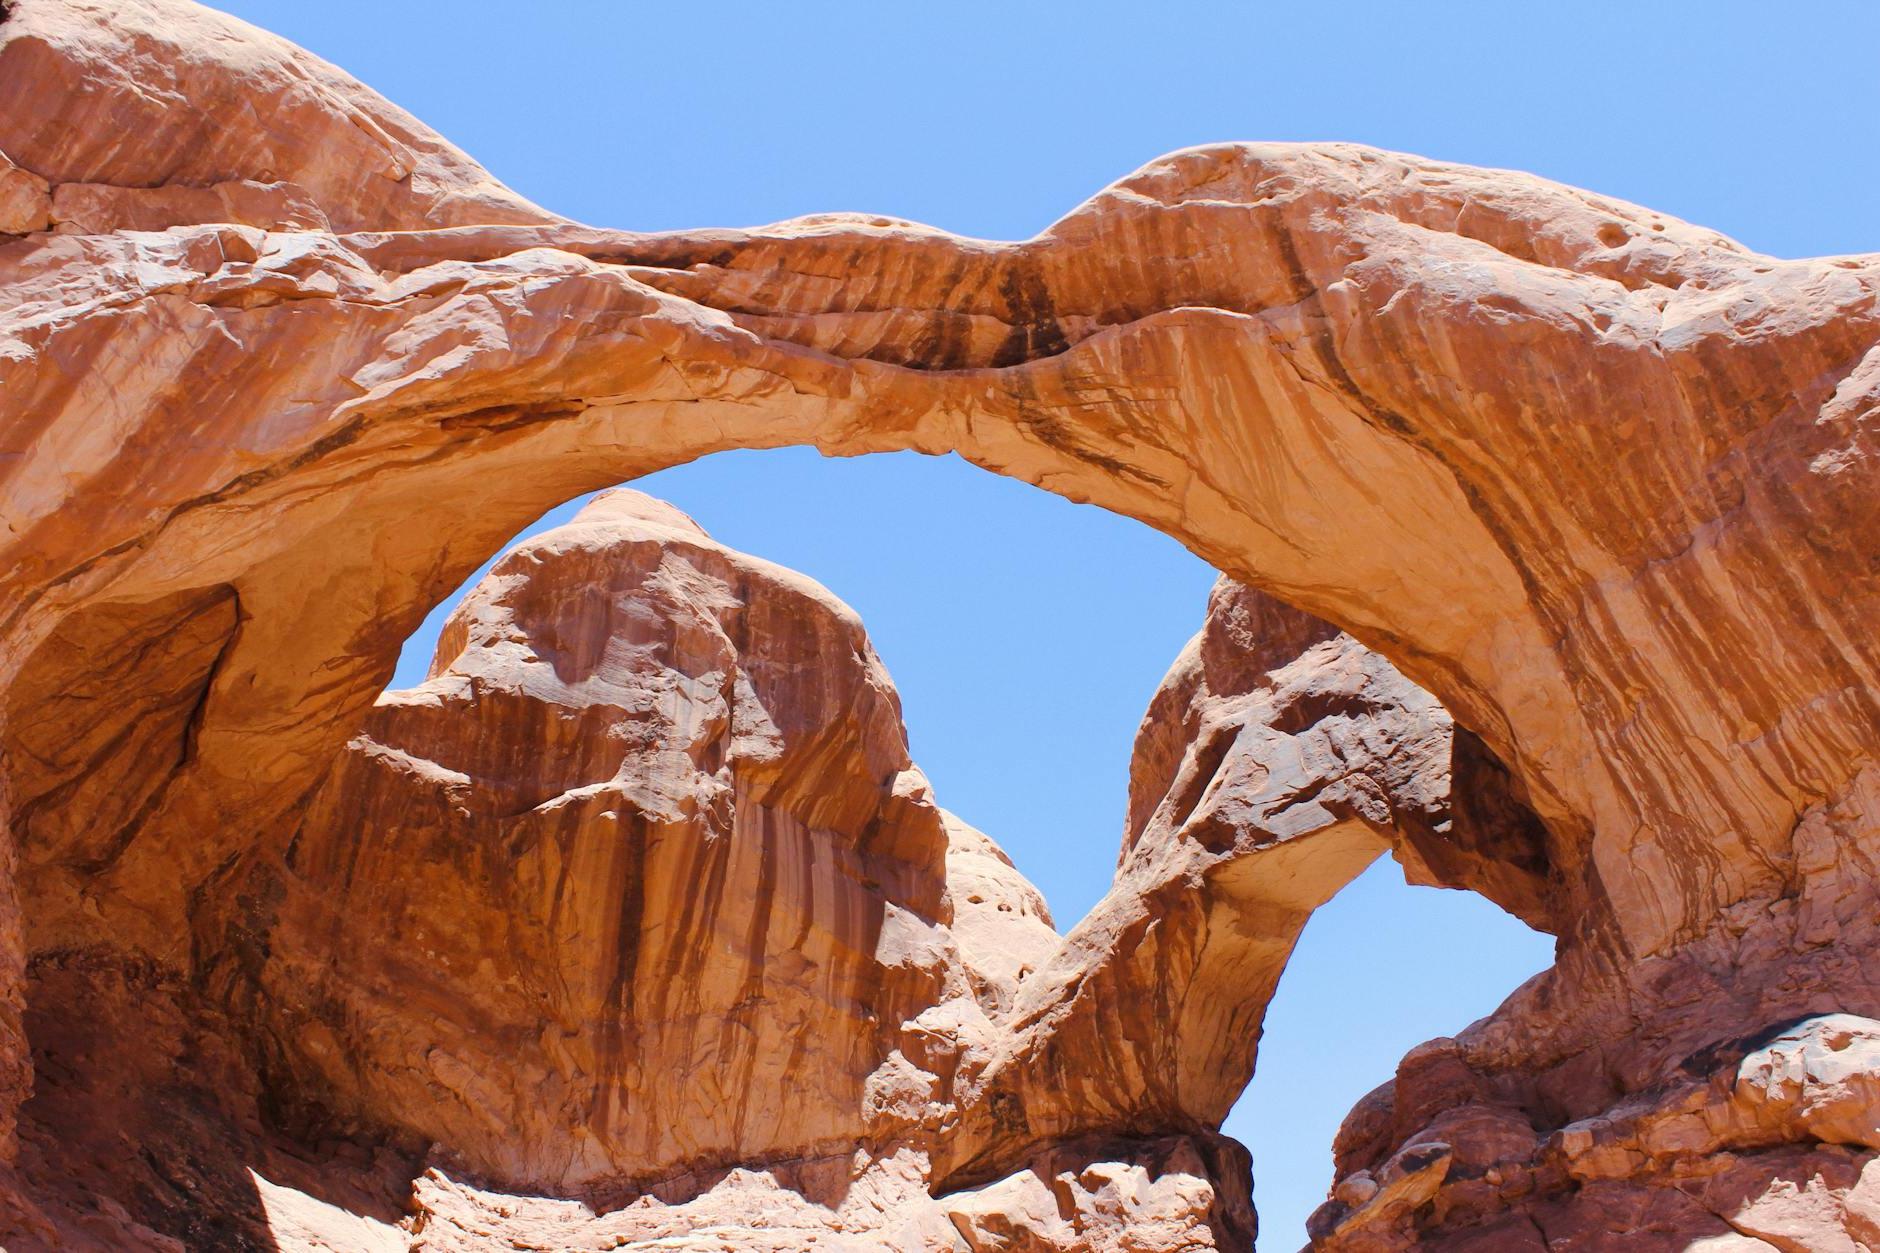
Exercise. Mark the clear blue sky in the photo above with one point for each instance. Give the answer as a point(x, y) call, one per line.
point(1025, 633)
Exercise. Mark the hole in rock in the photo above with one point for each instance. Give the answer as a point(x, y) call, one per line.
point(1380, 968)
point(1025, 635)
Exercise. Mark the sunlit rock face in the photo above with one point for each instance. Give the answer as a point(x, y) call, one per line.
point(280, 367)
point(1278, 759)
point(1766, 1143)
point(639, 882)
point(633, 922)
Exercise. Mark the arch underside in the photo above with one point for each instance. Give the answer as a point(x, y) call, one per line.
point(1601, 482)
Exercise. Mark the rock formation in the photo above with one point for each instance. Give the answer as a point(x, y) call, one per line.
point(639, 883)
point(633, 921)
point(281, 367)
point(1279, 758)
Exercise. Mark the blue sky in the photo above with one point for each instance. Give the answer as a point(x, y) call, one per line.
point(1026, 634)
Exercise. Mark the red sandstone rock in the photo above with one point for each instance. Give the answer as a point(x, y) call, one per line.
point(1279, 758)
point(1601, 482)
point(1000, 921)
point(632, 923)
point(639, 883)
point(25, 200)
point(169, 107)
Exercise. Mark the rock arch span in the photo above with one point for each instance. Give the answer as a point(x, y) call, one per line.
point(1601, 481)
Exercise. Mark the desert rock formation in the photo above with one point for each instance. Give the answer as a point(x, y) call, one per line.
point(640, 882)
point(1279, 758)
point(281, 367)
point(633, 922)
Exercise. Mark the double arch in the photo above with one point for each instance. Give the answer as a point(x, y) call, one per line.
point(1563, 460)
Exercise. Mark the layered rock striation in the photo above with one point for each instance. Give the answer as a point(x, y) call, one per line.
point(639, 883)
point(1279, 758)
point(633, 923)
point(281, 367)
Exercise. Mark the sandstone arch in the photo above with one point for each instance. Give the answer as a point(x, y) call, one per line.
point(1570, 464)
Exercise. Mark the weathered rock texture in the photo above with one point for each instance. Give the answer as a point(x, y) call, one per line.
point(1601, 482)
point(640, 882)
point(633, 922)
point(1278, 760)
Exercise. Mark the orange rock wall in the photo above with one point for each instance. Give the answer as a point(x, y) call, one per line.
point(1600, 482)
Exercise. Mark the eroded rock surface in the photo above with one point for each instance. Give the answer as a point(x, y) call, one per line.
point(640, 882)
point(1279, 758)
point(1601, 482)
point(632, 925)
point(1763, 1144)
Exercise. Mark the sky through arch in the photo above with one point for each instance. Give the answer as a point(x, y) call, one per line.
point(1026, 635)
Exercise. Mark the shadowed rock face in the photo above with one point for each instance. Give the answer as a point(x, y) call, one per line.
point(1601, 482)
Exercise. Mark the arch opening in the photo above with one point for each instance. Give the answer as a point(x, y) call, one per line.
point(1378, 970)
point(844, 505)
point(955, 574)
point(1402, 395)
